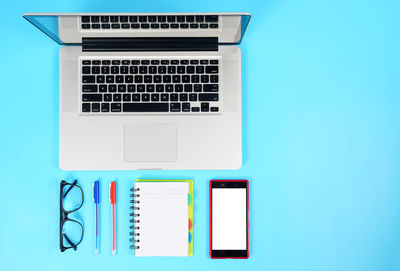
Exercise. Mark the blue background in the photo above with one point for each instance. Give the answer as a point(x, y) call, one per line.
point(320, 139)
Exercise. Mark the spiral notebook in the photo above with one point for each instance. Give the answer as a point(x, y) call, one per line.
point(162, 218)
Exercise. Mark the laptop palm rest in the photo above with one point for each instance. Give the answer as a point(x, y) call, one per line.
point(150, 142)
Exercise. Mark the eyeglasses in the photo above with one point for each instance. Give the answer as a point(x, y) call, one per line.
point(71, 200)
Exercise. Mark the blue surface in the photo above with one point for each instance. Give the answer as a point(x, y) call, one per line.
point(321, 108)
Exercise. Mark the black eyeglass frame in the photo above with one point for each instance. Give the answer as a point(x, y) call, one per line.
point(64, 215)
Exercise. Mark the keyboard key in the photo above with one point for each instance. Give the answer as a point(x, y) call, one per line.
point(214, 78)
point(203, 26)
point(86, 69)
point(125, 26)
point(142, 19)
point(103, 62)
point(190, 69)
point(185, 107)
point(95, 107)
point(88, 79)
point(95, 19)
point(135, 26)
point(213, 25)
point(197, 88)
point(126, 62)
point(124, 69)
point(104, 19)
point(173, 97)
point(95, 69)
point(131, 88)
point(167, 79)
point(178, 88)
point(100, 79)
point(121, 88)
point(89, 88)
point(204, 78)
point(129, 79)
point(119, 79)
point(164, 62)
point(176, 79)
point(214, 61)
point(185, 78)
point(193, 97)
point(145, 97)
point(105, 70)
point(123, 19)
point(174, 26)
point(184, 26)
point(194, 62)
point(135, 97)
point(159, 88)
point(175, 107)
point(190, 18)
point(95, 26)
point(199, 69)
point(169, 88)
point(86, 62)
point(102, 88)
point(210, 88)
point(155, 97)
point(141, 88)
point(105, 26)
point(152, 19)
point(133, 70)
point(195, 78)
point(194, 26)
point(145, 107)
point(164, 97)
point(114, 19)
point(105, 107)
point(145, 62)
point(211, 18)
point(115, 26)
point(107, 97)
point(183, 97)
point(116, 107)
point(138, 78)
point(145, 26)
point(133, 19)
point(85, 19)
point(180, 19)
point(212, 69)
point(199, 18)
point(112, 88)
point(188, 88)
point(164, 26)
point(92, 97)
point(116, 97)
point(171, 19)
point(86, 107)
point(149, 88)
point(110, 78)
point(155, 26)
point(208, 97)
point(204, 62)
point(214, 109)
point(115, 62)
point(205, 107)
point(195, 109)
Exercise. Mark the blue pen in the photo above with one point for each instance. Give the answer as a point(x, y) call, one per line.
point(96, 200)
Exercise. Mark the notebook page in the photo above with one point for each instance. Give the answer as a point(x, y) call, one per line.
point(163, 216)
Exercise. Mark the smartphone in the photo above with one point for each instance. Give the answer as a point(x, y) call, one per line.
point(229, 219)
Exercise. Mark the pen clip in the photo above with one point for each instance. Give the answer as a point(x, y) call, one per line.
point(113, 192)
point(96, 192)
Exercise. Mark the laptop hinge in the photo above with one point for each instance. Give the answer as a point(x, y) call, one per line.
point(149, 44)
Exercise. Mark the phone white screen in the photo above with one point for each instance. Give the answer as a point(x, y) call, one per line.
point(229, 208)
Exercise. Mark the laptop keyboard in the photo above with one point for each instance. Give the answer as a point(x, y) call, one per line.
point(113, 86)
point(149, 22)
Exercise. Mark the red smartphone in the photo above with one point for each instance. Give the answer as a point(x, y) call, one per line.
point(229, 219)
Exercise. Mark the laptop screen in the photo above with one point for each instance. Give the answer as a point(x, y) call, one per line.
point(69, 29)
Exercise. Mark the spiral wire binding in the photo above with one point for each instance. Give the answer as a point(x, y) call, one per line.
point(134, 213)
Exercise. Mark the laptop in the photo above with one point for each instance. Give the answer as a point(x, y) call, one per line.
point(148, 91)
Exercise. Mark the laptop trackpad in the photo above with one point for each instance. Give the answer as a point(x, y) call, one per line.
point(150, 143)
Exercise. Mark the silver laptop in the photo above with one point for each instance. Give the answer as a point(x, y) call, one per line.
point(148, 91)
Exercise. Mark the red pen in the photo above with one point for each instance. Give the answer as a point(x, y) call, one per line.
point(113, 201)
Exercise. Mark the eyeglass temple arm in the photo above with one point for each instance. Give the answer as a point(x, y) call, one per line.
point(69, 189)
point(69, 241)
